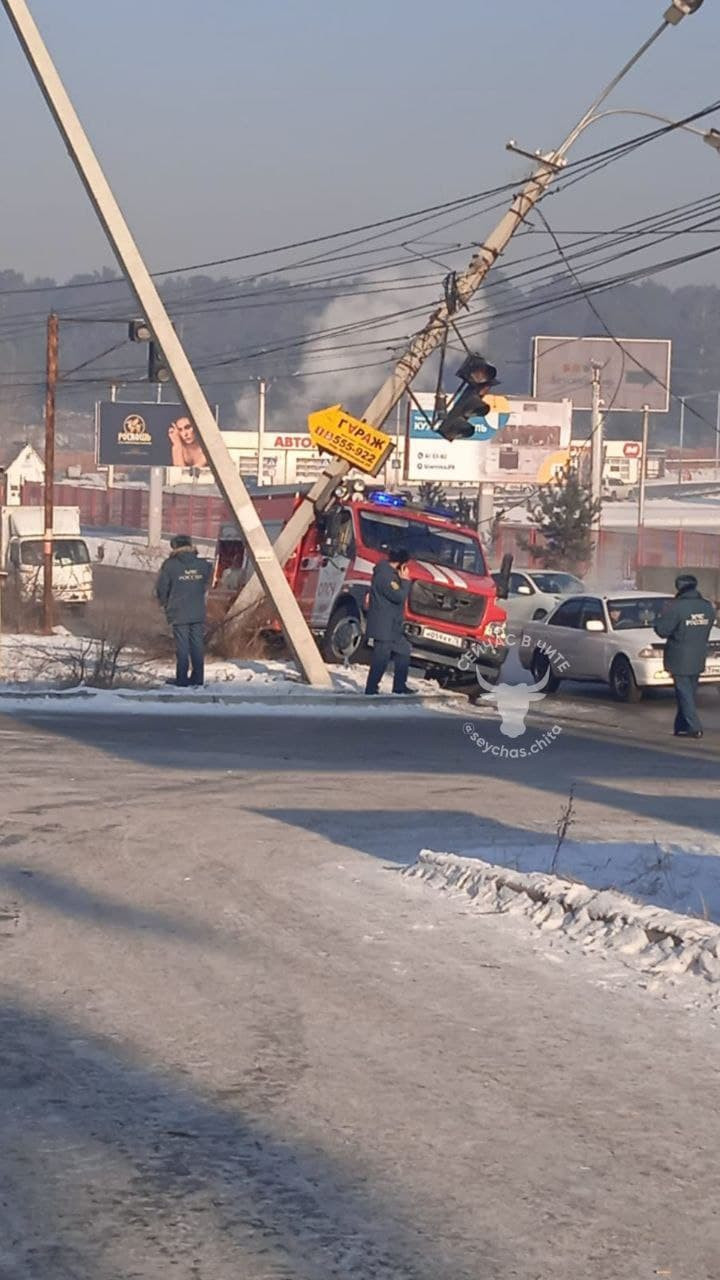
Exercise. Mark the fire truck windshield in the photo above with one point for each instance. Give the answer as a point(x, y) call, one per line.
point(423, 541)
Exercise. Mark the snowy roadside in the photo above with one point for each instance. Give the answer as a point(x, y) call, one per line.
point(655, 908)
point(57, 670)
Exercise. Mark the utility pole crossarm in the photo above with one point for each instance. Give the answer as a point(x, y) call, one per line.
point(272, 577)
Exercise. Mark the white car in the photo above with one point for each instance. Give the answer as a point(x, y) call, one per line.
point(614, 488)
point(533, 593)
point(607, 638)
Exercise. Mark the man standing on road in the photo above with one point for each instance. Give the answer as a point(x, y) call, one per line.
point(181, 589)
point(388, 593)
point(685, 625)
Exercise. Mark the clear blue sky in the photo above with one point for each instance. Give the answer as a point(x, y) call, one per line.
point(228, 125)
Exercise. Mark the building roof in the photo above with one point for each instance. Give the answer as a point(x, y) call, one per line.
point(9, 453)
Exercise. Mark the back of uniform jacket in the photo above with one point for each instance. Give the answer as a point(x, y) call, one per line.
point(182, 585)
point(685, 625)
point(388, 594)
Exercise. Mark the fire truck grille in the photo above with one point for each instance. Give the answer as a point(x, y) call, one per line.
point(429, 600)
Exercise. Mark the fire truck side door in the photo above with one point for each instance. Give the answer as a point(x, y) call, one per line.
point(309, 561)
point(329, 581)
point(333, 569)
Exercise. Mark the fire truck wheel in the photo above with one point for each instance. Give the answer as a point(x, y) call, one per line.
point(344, 635)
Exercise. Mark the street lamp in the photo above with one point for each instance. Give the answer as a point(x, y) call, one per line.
point(680, 9)
point(710, 136)
point(698, 395)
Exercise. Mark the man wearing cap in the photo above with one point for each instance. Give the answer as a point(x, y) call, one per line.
point(181, 589)
point(388, 593)
point(685, 625)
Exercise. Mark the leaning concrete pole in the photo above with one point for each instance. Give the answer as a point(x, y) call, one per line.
point(431, 335)
point(267, 566)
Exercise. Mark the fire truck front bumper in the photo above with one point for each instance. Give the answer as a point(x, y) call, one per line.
point(431, 648)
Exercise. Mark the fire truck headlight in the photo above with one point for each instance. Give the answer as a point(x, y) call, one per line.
point(498, 630)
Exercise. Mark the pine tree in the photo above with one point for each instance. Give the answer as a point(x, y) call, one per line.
point(431, 493)
point(465, 510)
point(564, 513)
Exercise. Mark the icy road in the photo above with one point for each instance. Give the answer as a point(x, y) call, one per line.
point(235, 1042)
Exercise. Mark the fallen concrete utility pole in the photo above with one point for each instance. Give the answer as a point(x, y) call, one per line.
point(272, 578)
point(433, 333)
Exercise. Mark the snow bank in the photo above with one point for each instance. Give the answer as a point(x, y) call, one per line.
point(30, 662)
point(664, 943)
point(50, 669)
point(676, 877)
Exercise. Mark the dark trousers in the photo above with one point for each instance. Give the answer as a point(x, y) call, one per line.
point(382, 653)
point(687, 719)
point(189, 652)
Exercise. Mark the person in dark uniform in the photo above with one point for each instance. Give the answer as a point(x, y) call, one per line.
point(181, 589)
point(685, 625)
point(388, 593)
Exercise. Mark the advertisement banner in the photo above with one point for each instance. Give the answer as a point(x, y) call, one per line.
point(512, 444)
point(634, 372)
point(147, 435)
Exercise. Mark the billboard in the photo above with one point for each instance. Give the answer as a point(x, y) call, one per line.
point(510, 445)
point(147, 435)
point(634, 372)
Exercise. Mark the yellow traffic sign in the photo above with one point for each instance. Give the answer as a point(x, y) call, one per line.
point(337, 432)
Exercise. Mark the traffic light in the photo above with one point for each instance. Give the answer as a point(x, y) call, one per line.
point(157, 368)
point(478, 376)
point(139, 331)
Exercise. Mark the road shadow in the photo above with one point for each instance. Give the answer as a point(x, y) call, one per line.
point(395, 835)
point(601, 763)
point(71, 900)
point(114, 1169)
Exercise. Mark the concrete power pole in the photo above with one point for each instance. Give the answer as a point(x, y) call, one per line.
point(431, 336)
point(262, 391)
point(272, 577)
point(643, 469)
point(156, 490)
point(596, 459)
point(53, 342)
point(681, 445)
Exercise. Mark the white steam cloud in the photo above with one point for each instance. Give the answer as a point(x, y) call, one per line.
point(339, 368)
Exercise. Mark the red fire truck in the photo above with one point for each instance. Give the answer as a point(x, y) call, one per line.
point(452, 605)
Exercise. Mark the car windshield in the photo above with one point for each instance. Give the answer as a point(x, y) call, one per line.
point(421, 541)
point(65, 551)
point(638, 614)
point(558, 584)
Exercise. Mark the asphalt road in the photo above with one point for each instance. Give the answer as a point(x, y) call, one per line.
point(235, 1042)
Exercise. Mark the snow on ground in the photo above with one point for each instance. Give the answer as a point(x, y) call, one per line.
point(130, 551)
point(676, 877)
point(665, 946)
point(61, 666)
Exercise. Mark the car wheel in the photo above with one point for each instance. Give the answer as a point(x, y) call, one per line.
point(344, 636)
point(623, 683)
point(539, 665)
point(539, 614)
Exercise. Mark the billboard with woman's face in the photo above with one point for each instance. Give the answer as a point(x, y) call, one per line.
point(147, 435)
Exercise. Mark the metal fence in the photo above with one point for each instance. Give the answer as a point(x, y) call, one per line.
point(201, 514)
point(620, 552)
